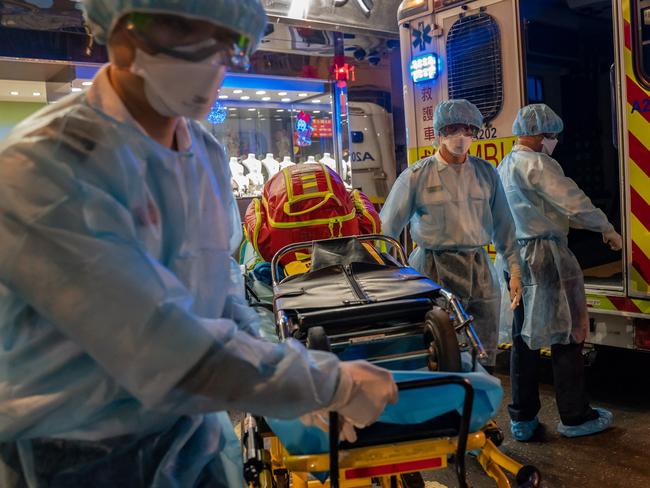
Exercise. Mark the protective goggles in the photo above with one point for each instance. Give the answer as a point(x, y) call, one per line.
point(168, 34)
point(454, 129)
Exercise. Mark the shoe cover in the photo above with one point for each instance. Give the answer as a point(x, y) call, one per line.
point(523, 430)
point(604, 420)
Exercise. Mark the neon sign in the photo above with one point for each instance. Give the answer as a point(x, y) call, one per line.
point(304, 130)
point(425, 68)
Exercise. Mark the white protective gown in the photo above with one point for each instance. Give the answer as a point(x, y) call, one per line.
point(455, 211)
point(545, 204)
point(122, 316)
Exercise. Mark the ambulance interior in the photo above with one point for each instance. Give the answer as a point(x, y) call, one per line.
point(569, 63)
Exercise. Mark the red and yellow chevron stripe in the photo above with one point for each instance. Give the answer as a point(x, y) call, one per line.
point(618, 304)
point(638, 123)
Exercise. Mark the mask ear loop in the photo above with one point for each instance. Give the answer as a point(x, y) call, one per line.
point(436, 140)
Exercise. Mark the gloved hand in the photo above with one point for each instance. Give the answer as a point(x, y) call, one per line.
point(515, 292)
point(321, 420)
point(613, 239)
point(363, 392)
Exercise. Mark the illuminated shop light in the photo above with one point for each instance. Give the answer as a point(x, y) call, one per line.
point(218, 114)
point(425, 68)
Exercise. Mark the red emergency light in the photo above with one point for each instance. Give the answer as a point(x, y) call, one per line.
point(343, 72)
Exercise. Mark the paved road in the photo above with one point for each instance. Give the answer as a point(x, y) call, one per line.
point(620, 457)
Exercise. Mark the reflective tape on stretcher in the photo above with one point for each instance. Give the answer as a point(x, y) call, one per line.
point(388, 469)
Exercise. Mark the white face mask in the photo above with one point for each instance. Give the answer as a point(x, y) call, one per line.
point(458, 144)
point(175, 87)
point(548, 145)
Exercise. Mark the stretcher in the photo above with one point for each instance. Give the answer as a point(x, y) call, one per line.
point(360, 299)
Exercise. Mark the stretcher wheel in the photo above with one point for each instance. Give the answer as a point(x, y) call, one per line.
point(317, 339)
point(529, 477)
point(441, 340)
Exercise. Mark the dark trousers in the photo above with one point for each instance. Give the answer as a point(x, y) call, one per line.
point(568, 377)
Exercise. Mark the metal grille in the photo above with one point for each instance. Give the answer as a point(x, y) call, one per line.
point(474, 63)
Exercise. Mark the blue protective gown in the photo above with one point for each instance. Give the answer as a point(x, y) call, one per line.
point(544, 204)
point(122, 316)
point(455, 211)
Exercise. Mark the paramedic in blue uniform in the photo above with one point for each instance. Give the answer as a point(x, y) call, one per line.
point(553, 313)
point(125, 334)
point(456, 206)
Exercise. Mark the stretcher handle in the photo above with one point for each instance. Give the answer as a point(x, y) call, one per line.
point(275, 262)
point(465, 322)
point(463, 429)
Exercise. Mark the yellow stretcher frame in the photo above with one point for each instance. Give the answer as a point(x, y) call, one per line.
point(382, 463)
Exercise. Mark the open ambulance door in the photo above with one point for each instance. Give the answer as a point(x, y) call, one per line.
point(569, 52)
point(635, 80)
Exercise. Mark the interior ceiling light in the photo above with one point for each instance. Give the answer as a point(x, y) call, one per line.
point(302, 95)
point(251, 110)
point(280, 110)
point(286, 99)
point(266, 99)
point(298, 9)
point(245, 97)
point(15, 93)
point(37, 94)
point(315, 101)
point(75, 89)
point(87, 83)
point(237, 92)
point(223, 97)
point(260, 92)
point(232, 108)
point(281, 94)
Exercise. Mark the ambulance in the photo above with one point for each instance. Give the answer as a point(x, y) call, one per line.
point(590, 61)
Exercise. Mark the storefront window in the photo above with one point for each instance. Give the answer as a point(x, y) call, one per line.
point(269, 123)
